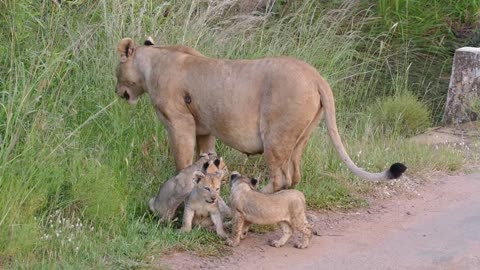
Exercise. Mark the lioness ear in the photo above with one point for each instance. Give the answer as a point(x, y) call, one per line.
point(253, 181)
point(149, 42)
point(125, 48)
point(197, 177)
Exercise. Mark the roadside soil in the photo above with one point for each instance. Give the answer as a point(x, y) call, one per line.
point(409, 224)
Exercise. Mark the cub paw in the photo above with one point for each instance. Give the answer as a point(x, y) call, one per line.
point(184, 230)
point(223, 235)
point(231, 243)
point(300, 245)
point(274, 243)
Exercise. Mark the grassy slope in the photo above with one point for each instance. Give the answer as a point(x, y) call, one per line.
point(77, 166)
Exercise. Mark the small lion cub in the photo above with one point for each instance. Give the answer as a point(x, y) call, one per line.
point(176, 190)
point(204, 206)
point(249, 206)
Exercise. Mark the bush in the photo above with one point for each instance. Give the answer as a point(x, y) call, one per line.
point(402, 114)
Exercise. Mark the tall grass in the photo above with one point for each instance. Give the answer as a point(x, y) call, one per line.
point(77, 166)
point(430, 31)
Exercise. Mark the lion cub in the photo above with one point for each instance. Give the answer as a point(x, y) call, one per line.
point(204, 206)
point(249, 206)
point(173, 192)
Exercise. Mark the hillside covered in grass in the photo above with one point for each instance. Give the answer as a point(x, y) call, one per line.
point(77, 165)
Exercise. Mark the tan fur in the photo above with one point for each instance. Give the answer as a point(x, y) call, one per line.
point(204, 206)
point(286, 208)
point(173, 192)
point(269, 105)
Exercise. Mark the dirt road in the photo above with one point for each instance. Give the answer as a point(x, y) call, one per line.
point(438, 229)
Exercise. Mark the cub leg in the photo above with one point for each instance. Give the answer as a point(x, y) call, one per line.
point(237, 229)
point(306, 232)
point(224, 209)
point(246, 226)
point(217, 221)
point(187, 219)
point(287, 233)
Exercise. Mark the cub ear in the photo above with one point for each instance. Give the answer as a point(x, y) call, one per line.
point(205, 166)
point(149, 42)
point(125, 48)
point(197, 177)
point(253, 181)
point(217, 162)
point(234, 175)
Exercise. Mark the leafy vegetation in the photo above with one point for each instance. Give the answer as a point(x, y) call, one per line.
point(77, 165)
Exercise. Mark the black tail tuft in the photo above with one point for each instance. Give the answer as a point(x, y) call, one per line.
point(396, 170)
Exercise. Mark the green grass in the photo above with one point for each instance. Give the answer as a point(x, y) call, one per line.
point(71, 150)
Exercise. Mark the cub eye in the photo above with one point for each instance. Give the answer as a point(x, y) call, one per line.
point(217, 189)
point(207, 188)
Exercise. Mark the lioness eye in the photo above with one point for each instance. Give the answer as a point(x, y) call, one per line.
point(217, 189)
point(207, 188)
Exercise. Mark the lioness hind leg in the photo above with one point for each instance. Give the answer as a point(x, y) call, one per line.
point(287, 233)
point(280, 141)
point(296, 159)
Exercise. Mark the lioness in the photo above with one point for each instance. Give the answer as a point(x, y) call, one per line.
point(285, 207)
point(269, 105)
point(173, 192)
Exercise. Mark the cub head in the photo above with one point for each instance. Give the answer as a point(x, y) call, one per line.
point(216, 166)
point(130, 83)
point(208, 186)
point(236, 179)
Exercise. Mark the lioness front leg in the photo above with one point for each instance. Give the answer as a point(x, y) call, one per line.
point(182, 139)
point(205, 144)
point(237, 229)
point(217, 221)
point(188, 215)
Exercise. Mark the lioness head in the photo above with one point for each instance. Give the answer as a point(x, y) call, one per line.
point(130, 83)
point(208, 184)
point(236, 179)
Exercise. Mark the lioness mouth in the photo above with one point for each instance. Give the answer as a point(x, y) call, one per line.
point(212, 201)
point(126, 95)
